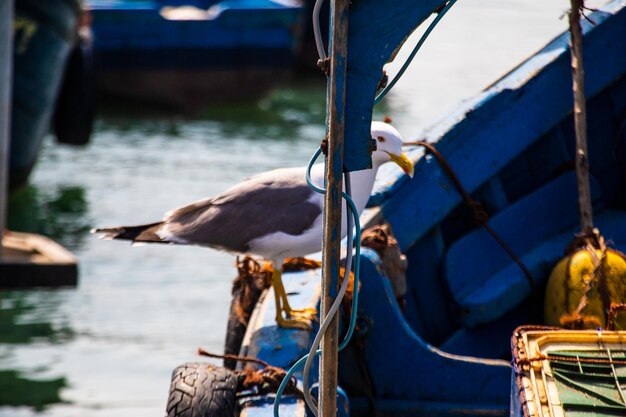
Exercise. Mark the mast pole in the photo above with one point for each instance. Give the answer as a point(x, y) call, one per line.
point(332, 203)
point(580, 118)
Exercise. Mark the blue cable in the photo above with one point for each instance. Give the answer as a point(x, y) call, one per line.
point(357, 248)
point(355, 298)
point(308, 172)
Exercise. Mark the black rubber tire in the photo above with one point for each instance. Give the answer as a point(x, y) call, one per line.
point(202, 390)
point(235, 332)
point(75, 109)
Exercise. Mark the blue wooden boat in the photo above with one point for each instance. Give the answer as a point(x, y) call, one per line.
point(45, 32)
point(188, 54)
point(445, 350)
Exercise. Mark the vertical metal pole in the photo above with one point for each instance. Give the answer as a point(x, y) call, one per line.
point(332, 204)
point(580, 118)
point(6, 65)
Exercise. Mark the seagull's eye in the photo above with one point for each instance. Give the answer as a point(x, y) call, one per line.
point(380, 139)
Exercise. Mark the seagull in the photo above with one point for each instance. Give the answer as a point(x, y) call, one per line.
point(274, 215)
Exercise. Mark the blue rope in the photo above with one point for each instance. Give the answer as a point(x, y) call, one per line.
point(357, 249)
point(355, 298)
point(308, 172)
point(406, 64)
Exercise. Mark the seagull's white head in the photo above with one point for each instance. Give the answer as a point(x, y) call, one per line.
point(389, 147)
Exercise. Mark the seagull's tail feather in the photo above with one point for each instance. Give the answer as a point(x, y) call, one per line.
point(143, 233)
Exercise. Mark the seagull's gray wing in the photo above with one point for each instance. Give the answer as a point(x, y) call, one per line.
point(275, 201)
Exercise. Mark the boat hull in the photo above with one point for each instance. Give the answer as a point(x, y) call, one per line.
point(188, 89)
point(44, 35)
point(188, 56)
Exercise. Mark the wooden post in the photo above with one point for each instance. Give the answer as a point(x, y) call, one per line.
point(332, 204)
point(580, 117)
point(6, 64)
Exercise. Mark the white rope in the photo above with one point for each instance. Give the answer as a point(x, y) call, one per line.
point(317, 33)
point(333, 309)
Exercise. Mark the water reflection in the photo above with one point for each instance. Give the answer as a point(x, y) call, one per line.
point(17, 390)
point(60, 213)
point(27, 320)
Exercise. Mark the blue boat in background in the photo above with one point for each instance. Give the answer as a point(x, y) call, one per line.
point(189, 54)
point(45, 34)
point(443, 346)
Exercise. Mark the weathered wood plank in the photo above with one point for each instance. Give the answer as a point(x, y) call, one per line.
point(33, 261)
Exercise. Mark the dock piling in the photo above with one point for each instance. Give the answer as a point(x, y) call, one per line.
point(6, 68)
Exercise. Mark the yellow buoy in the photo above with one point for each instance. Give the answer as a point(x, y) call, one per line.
point(584, 286)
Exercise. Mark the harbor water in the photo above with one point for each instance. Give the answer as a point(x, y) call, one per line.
point(107, 347)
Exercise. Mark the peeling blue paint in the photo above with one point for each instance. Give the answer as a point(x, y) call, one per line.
point(369, 47)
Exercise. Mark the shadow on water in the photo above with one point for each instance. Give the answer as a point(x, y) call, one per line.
point(60, 214)
point(16, 390)
point(15, 330)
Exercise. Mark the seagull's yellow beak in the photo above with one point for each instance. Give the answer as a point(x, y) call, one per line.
point(403, 162)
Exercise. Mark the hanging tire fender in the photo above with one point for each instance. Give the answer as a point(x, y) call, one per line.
point(202, 390)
